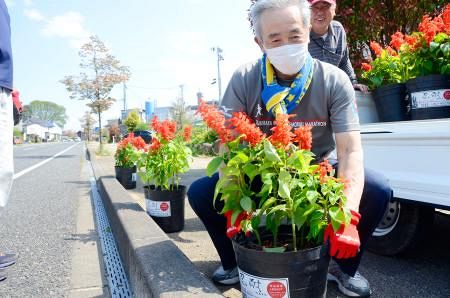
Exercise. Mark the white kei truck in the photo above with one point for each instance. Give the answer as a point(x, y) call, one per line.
point(415, 158)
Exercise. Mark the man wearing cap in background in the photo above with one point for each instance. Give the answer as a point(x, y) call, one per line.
point(328, 41)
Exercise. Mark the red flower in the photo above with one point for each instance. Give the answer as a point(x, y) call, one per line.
point(165, 129)
point(282, 134)
point(366, 66)
point(303, 137)
point(187, 132)
point(430, 27)
point(215, 120)
point(137, 142)
point(154, 146)
point(245, 126)
point(446, 19)
point(376, 48)
point(391, 51)
point(397, 40)
point(411, 41)
point(324, 169)
point(155, 123)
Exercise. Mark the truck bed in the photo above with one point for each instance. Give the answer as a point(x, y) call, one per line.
point(414, 156)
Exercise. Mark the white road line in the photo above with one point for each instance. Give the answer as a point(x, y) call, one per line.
point(21, 173)
point(26, 149)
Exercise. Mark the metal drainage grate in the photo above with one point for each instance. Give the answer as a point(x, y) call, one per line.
point(117, 279)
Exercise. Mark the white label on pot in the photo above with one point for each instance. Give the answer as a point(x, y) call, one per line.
point(133, 177)
point(158, 208)
point(258, 287)
point(430, 99)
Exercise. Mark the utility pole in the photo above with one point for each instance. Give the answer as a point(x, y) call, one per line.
point(182, 93)
point(219, 52)
point(124, 100)
point(181, 107)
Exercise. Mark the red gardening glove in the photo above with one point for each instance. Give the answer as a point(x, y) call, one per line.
point(236, 228)
point(17, 107)
point(345, 242)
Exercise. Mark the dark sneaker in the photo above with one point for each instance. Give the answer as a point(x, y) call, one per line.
point(226, 277)
point(7, 260)
point(2, 274)
point(352, 286)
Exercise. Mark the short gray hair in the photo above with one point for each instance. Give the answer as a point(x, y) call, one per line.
point(259, 6)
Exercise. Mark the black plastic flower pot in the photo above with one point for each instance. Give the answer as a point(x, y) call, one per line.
point(166, 207)
point(391, 103)
point(126, 177)
point(289, 274)
point(429, 97)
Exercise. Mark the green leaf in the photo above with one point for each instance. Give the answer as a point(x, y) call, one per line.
point(278, 208)
point(268, 203)
point(275, 249)
point(428, 65)
point(337, 217)
point(250, 170)
point(283, 180)
point(271, 152)
point(213, 165)
point(239, 158)
point(256, 220)
point(440, 38)
point(234, 216)
point(246, 203)
point(445, 48)
point(312, 196)
point(299, 217)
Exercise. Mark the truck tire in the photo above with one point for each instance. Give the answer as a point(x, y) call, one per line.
point(403, 225)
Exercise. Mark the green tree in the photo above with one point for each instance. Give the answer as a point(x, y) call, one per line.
point(142, 126)
point(87, 123)
point(102, 71)
point(132, 121)
point(46, 111)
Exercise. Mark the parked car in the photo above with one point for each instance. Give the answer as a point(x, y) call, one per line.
point(146, 135)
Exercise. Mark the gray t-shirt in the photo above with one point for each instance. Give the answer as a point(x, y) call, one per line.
point(329, 104)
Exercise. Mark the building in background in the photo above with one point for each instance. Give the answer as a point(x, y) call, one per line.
point(163, 113)
point(192, 110)
point(36, 130)
point(141, 113)
point(149, 110)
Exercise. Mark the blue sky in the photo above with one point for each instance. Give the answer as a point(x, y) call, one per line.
point(165, 43)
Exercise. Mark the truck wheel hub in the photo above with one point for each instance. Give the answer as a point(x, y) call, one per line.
point(389, 220)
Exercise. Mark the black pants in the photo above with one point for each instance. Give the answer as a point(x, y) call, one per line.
point(375, 197)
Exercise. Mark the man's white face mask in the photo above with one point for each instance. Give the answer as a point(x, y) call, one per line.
point(288, 59)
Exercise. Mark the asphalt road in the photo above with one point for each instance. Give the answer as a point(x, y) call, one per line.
point(39, 220)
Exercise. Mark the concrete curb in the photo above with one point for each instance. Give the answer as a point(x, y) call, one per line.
point(154, 265)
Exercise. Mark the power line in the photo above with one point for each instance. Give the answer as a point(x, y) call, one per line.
point(154, 88)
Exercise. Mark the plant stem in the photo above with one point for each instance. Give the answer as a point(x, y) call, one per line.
point(302, 238)
point(258, 237)
point(294, 237)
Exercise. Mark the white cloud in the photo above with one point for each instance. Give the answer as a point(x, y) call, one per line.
point(34, 15)
point(70, 26)
point(190, 43)
point(28, 2)
point(9, 3)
